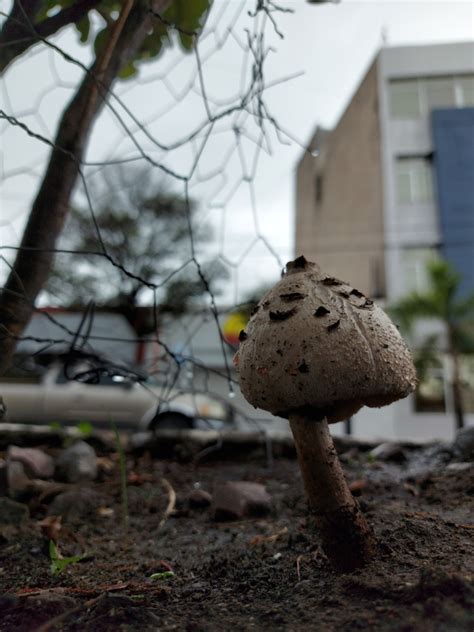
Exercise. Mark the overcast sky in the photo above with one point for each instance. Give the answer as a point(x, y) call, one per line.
point(247, 191)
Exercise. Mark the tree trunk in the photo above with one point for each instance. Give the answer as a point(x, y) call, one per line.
point(35, 257)
point(346, 537)
point(457, 393)
point(456, 382)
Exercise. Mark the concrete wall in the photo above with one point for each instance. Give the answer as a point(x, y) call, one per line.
point(344, 231)
point(399, 421)
point(416, 225)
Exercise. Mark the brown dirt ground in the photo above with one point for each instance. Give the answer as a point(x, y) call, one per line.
point(264, 573)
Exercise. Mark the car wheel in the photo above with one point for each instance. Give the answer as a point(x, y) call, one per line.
point(173, 421)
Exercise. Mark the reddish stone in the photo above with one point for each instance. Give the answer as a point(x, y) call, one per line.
point(235, 500)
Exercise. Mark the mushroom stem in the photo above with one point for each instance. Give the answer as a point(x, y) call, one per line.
point(346, 537)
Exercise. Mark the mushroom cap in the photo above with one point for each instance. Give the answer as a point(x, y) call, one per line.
point(315, 346)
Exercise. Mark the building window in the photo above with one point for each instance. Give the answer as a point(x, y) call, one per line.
point(465, 91)
point(412, 98)
point(431, 391)
point(434, 390)
point(414, 180)
point(405, 99)
point(438, 92)
point(318, 184)
point(414, 268)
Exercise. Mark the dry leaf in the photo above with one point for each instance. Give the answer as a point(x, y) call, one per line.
point(50, 527)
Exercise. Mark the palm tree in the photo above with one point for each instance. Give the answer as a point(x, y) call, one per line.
point(441, 301)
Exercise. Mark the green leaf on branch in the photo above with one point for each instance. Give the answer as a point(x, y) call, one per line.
point(47, 8)
point(100, 40)
point(84, 27)
point(129, 70)
point(188, 19)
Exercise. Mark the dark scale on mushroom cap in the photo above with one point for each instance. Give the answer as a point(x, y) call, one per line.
point(322, 311)
point(331, 281)
point(281, 314)
point(334, 325)
point(292, 296)
point(298, 263)
point(356, 358)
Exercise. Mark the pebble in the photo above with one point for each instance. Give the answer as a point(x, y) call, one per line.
point(18, 483)
point(3, 478)
point(199, 499)
point(13, 517)
point(304, 585)
point(52, 599)
point(463, 445)
point(388, 451)
point(235, 499)
point(37, 464)
point(76, 505)
point(357, 486)
point(459, 467)
point(77, 464)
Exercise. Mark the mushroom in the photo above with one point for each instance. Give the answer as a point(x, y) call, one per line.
point(315, 351)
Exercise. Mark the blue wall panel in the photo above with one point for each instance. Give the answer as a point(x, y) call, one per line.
point(453, 136)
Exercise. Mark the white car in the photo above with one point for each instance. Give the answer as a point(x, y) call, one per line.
point(54, 397)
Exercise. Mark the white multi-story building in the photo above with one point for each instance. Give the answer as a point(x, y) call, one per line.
point(393, 183)
point(413, 82)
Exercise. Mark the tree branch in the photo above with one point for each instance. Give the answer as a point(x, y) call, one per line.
point(20, 33)
point(48, 214)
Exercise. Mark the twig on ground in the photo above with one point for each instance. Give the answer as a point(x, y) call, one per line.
point(171, 501)
point(261, 539)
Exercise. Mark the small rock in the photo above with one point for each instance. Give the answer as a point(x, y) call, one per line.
point(114, 609)
point(199, 499)
point(3, 478)
point(37, 463)
point(52, 599)
point(463, 445)
point(357, 486)
point(77, 464)
point(13, 517)
point(234, 500)
point(349, 455)
point(17, 480)
point(75, 505)
point(388, 452)
point(197, 587)
point(459, 467)
point(304, 585)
